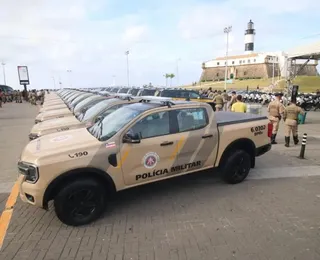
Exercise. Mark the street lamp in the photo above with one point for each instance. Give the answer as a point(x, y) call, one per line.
point(4, 73)
point(69, 77)
point(226, 30)
point(128, 79)
point(114, 80)
point(54, 82)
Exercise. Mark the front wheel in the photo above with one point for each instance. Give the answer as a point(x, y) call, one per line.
point(308, 107)
point(236, 167)
point(80, 202)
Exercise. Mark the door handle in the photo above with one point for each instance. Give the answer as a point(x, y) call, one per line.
point(166, 143)
point(207, 136)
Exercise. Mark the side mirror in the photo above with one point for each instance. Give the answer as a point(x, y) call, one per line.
point(98, 119)
point(131, 139)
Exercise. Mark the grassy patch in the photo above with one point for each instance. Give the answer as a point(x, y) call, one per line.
point(306, 84)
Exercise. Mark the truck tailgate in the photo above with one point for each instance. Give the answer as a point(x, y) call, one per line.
point(229, 118)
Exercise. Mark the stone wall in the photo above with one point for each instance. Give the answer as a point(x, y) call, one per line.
point(250, 71)
point(308, 70)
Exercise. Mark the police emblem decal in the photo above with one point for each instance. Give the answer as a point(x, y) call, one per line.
point(61, 138)
point(150, 160)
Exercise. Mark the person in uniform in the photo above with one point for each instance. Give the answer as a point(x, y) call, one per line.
point(218, 100)
point(275, 110)
point(290, 118)
point(42, 96)
point(19, 96)
point(225, 100)
point(1, 96)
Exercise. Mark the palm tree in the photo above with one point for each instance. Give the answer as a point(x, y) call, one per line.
point(166, 76)
point(171, 76)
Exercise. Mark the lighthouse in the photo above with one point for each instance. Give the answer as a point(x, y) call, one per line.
point(249, 38)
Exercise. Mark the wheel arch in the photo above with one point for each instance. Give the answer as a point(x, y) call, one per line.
point(240, 144)
point(57, 184)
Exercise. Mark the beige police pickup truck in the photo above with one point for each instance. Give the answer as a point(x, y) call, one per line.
point(137, 144)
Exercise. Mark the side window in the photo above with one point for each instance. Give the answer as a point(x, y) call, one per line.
point(153, 125)
point(194, 95)
point(192, 119)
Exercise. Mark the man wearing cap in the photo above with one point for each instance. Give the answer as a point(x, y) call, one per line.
point(290, 117)
point(275, 110)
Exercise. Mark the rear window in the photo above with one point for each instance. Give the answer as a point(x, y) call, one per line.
point(147, 92)
point(192, 119)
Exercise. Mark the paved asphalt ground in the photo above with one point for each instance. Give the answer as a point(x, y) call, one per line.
point(273, 215)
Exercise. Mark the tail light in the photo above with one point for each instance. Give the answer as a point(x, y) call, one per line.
point(270, 126)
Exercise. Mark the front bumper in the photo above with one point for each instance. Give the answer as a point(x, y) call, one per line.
point(263, 149)
point(30, 193)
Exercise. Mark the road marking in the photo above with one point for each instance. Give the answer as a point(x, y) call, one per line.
point(7, 213)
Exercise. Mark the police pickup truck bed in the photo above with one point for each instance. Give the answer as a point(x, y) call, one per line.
point(135, 145)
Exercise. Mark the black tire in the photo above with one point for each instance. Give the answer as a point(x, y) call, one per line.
point(308, 107)
point(236, 167)
point(80, 202)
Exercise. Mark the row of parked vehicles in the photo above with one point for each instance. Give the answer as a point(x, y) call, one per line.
point(307, 101)
point(85, 147)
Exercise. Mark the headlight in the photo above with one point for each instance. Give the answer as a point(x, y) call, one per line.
point(29, 170)
point(33, 136)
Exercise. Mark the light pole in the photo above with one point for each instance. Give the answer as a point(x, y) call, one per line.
point(178, 71)
point(114, 80)
point(54, 82)
point(60, 83)
point(69, 77)
point(128, 79)
point(227, 30)
point(4, 73)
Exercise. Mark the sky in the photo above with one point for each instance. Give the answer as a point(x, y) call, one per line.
point(90, 37)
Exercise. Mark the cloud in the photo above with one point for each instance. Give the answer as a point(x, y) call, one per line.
point(91, 36)
point(134, 34)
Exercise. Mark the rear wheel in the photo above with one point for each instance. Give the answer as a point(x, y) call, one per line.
point(80, 202)
point(236, 167)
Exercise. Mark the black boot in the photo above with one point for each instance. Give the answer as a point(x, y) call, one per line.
point(273, 139)
point(295, 140)
point(287, 140)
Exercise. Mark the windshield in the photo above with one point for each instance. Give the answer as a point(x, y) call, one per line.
point(147, 92)
point(123, 90)
point(134, 91)
point(78, 99)
point(96, 109)
point(72, 96)
point(84, 102)
point(113, 122)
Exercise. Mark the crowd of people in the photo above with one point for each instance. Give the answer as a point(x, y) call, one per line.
point(18, 96)
point(277, 109)
point(224, 102)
